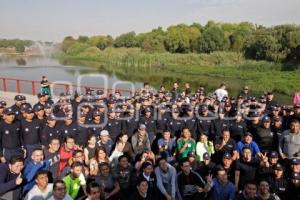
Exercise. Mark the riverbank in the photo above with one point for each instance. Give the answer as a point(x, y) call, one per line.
point(205, 69)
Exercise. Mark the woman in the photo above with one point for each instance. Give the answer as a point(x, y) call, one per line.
point(90, 149)
point(110, 186)
point(147, 173)
point(185, 143)
point(117, 152)
point(204, 146)
point(100, 155)
point(146, 156)
point(127, 148)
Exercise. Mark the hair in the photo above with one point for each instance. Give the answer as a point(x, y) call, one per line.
point(76, 164)
point(90, 135)
point(41, 172)
point(68, 137)
point(91, 185)
point(103, 164)
point(101, 148)
point(183, 160)
point(76, 152)
point(16, 158)
point(250, 182)
point(121, 135)
point(160, 159)
point(57, 182)
point(294, 121)
point(140, 180)
point(123, 156)
point(246, 147)
point(55, 138)
point(37, 149)
point(220, 168)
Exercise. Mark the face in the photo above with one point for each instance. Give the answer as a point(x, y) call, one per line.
point(227, 162)
point(267, 124)
point(186, 167)
point(54, 145)
point(104, 170)
point(250, 190)
point(101, 154)
point(42, 180)
point(76, 171)
point(295, 127)
point(248, 139)
point(10, 118)
point(226, 135)
point(40, 113)
point(203, 138)
point(51, 122)
point(273, 161)
point(60, 191)
point(124, 138)
point(143, 187)
point(148, 170)
point(222, 176)
point(17, 167)
point(95, 193)
point(123, 162)
point(295, 168)
point(29, 116)
point(92, 140)
point(166, 135)
point(264, 187)
point(70, 143)
point(79, 157)
point(163, 165)
point(104, 138)
point(278, 173)
point(186, 133)
point(247, 154)
point(37, 156)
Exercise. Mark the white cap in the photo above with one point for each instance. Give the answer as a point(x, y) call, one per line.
point(104, 133)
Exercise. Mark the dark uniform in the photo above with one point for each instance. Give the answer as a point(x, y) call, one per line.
point(49, 132)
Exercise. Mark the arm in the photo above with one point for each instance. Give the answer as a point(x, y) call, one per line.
point(173, 182)
point(236, 179)
point(115, 190)
point(5, 186)
point(159, 183)
point(86, 156)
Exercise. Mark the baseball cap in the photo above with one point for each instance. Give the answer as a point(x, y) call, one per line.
point(248, 134)
point(96, 113)
point(191, 154)
point(19, 97)
point(206, 156)
point(37, 108)
point(278, 166)
point(29, 110)
point(8, 111)
point(273, 154)
point(227, 156)
point(2, 104)
point(51, 117)
point(266, 119)
point(295, 175)
point(295, 161)
point(104, 133)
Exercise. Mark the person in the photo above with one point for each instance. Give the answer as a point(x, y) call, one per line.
point(93, 191)
point(140, 140)
point(293, 190)
point(10, 140)
point(105, 141)
point(166, 179)
point(245, 169)
point(249, 192)
point(289, 143)
point(124, 173)
point(42, 189)
point(185, 143)
point(222, 188)
point(90, 149)
point(189, 183)
point(141, 192)
point(204, 146)
point(147, 173)
point(52, 156)
point(221, 92)
point(278, 182)
point(167, 145)
point(45, 85)
point(116, 153)
point(264, 191)
point(36, 163)
point(59, 191)
point(110, 186)
point(72, 181)
point(265, 138)
point(11, 178)
point(248, 142)
point(65, 153)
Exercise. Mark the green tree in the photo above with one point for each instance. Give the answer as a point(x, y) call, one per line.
point(67, 43)
point(126, 40)
point(77, 48)
point(212, 39)
point(83, 39)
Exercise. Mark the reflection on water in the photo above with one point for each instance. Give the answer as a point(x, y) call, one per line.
point(35, 67)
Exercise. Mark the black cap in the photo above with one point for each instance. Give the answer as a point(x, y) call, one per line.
point(47, 105)
point(296, 106)
point(41, 94)
point(206, 156)
point(227, 156)
point(96, 113)
point(2, 104)
point(38, 107)
point(266, 119)
point(278, 166)
point(191, 154)
point(277, 118)
point(24, 106)
point(99, 92)
point(248, 134)
point(19, 97)
point(8, 111)
point(295, 161)
point(204, 108)
point(148, 109)
point(51, 117)
point(295, 175)
point(269, 93)
point(273, 154)
point(29, 110)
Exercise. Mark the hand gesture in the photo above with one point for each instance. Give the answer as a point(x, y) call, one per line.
point(19, 179)
point(209, 179)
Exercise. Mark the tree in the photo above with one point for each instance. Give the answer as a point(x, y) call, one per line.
point(83, 39)
point(152, 41)
point(126, 40)
point(67, 43)
point(77, 48)
point(212, 39)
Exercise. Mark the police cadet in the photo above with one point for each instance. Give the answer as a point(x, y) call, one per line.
point(293, 190)
point(40, 115)
point(270, 101)
point(253, 123)
point(191, 122)
point(2, 107)
point(19, 99)
point(69, 127)
point(237, 127)
point(41, 99)
point(50, 130)
point(97, 123)
point(113, 126)
point(82, 130)
point(148, 120)
point(10, 137)
point(278, 181)
point(175, 124)
point(267, 165)
point(205, 121)
point(220, 123)
point(163, 118)
point(265, 138)
point(130, 125)
point(78, 99)
point(30, 132)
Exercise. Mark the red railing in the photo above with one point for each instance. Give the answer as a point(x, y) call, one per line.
point(19, 84)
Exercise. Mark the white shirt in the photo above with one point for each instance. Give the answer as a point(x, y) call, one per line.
point(36, 194)
point(221, 93)
point(67, 197)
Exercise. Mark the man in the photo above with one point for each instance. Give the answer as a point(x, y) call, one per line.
point(59, 191)
point(72, 181)
point(42, 190)
point(141, 192)
point(278, 181)
point(246, 168)
point(248, 142)
point(190, 185)
point(249, 192)
point(166, 179)
point(293, 190)
point(30, 131)
point(65, 153)
point(105, 141)
point(113, 126)
point(36, 163)
point(148, 120)
point(10, 137)
point(52, 156)
point(11, 178)
point(221, 92)
point(140, 140)
point(19, 100)
point(289, 143)
point(265, 138)
point(93, 191)
point(125, 175)
point(50, 130)
point(222, 188)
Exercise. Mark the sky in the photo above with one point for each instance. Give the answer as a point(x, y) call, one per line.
point(52, 20)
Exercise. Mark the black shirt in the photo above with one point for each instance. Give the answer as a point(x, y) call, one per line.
point(30, 132)
point(10, 136)
point(247, 170)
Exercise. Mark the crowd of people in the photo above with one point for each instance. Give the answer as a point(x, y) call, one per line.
point(160, 145)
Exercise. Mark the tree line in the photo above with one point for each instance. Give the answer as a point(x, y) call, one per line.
point(277, 43)
point(18, 44)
